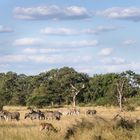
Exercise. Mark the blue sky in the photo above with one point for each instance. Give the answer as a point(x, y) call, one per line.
point(92, 36)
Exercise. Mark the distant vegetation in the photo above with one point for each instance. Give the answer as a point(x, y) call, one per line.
point(54, 88)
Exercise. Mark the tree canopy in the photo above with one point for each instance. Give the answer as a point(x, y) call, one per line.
point(54, 87)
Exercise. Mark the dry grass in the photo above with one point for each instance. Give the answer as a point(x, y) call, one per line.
point(83, 127)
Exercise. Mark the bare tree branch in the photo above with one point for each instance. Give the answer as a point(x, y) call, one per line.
point(73, 87)
point(76, 92)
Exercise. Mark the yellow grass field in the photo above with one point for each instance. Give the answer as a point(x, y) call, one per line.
point(85, 127)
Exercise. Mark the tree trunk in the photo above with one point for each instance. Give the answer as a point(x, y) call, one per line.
point(120, 102)
point(74, 101)
point(120, 87)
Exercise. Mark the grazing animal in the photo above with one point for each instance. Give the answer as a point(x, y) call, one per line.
point(57, 115)
point(35, 115)
point(49, 115)
point(11, 115)
point(48, 127)
point(41, 115)
point(74, 111)
point(53, 115)
point(32, 116)
point(91, 112)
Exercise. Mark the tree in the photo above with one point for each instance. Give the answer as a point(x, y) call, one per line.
point(65, 86)
point(76, 92)
point(120, 86)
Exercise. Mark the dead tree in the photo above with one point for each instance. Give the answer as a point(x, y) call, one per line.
point(76, 91)
point(120, 96)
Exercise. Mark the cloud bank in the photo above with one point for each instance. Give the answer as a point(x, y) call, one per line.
point(130, 13)
point(52, 12)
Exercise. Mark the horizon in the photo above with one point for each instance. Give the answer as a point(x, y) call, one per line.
point(90, 75)
point(93, 37)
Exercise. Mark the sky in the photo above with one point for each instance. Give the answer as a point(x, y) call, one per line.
point(92, 36)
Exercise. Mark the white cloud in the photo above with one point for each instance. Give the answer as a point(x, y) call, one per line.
point(26, 58)
point(130, 13)
point(27, 41)
point(129, 42)
point(69, 31)
point(76, 44)
point(4, 29)
point(100, 29)
point(30, 50)
point(58, 31)
point(59, 59)
point(41, 50)
point(112, 68)
point(134, 66)
point(60, 44)
point(51, 13)
point(105, 52)
point(12, 58)
point(43, 58)
point(113, 61)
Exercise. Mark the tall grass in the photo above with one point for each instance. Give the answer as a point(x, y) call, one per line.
point(70, 128)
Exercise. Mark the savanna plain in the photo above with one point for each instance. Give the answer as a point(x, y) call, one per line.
point(101, 126)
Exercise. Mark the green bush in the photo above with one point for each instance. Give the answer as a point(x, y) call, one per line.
point(38, 101)
point(102, 101)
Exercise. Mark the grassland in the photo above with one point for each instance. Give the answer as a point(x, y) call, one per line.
point(83, 127)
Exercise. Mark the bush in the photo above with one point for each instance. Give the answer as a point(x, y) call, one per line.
point(102, 101)
point(126, 124)
point(38, 101)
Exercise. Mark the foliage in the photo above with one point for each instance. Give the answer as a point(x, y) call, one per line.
point(54, 88)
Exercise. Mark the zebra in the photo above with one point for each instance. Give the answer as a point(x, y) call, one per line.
point(11, 115)
point(53, 115)
point(34, 115)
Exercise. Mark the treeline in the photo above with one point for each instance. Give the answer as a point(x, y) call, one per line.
point(54, 88)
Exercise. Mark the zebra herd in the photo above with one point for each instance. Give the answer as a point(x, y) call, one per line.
point(43, 115)
point(40, 115)
point(6, 115)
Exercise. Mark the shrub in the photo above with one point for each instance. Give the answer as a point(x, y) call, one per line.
point(102, 101)
point(126, 124)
